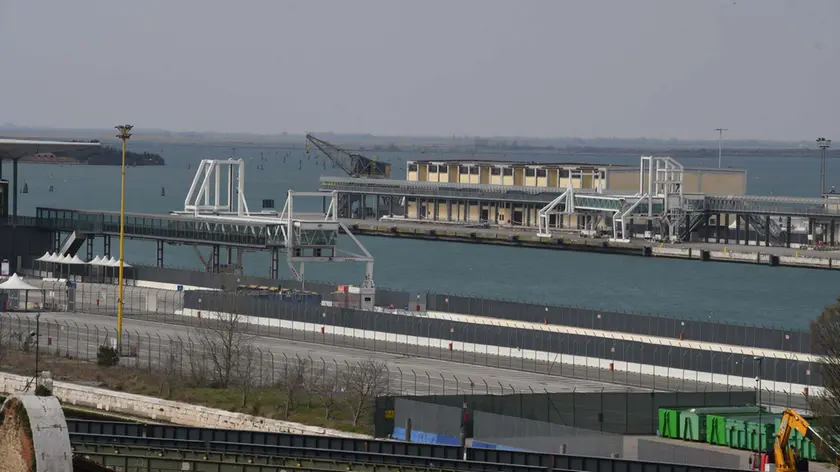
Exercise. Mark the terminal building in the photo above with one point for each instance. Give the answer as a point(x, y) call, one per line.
point(547, 179)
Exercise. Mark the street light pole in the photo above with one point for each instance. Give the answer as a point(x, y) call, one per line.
point(823, 144)
point(124, 134)
point(720, 144)
point(758, 401)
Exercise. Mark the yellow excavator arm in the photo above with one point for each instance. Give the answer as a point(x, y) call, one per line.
point(785, 456)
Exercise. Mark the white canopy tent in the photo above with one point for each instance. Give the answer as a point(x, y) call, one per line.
point(15, 282)
point(96, 261)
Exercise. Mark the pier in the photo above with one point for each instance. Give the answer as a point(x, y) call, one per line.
point(614, 209)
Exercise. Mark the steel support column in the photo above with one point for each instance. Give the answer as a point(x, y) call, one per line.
point(726, 228)
point(215, 258)
point(275, 263)
point(787, 236)
point(15, 189)
point(766, 230)
point(747, 229)
point(737, 229)
point(160, 253)
point(106, 246)
point(89, 248)
point(831, 232)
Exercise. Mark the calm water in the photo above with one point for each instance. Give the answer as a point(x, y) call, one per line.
point(732, 292)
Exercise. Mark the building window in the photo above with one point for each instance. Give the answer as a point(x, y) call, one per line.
point(412, 167)
point(508, 172)
point(564, 173)
point(474, 170)
point(530, 172)
point(495, 171)
point(443, 169)
point(464, 170)
point(433, 168)
point(541, 173)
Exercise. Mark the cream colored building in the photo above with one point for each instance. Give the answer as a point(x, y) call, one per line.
point(609, 178)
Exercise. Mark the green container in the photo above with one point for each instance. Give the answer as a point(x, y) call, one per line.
point(692, 426)
point(669, 420)
point(736, 433)
point(716, 430)
point(760, 435)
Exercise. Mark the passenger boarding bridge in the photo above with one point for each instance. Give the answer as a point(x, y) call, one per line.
point(216, 213)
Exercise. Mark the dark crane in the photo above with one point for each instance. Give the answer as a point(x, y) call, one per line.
point(356, 165)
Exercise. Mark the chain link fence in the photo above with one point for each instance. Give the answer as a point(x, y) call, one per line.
point(411, 334)
point(757, 336)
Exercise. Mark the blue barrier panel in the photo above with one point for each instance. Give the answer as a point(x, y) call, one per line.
point(426, 438)
point(497, 447)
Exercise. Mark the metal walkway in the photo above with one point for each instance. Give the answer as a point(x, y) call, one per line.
point(161, 227)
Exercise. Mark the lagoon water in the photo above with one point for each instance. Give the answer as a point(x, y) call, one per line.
point(727, 292)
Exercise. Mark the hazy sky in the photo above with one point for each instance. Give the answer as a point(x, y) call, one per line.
point(765, 69)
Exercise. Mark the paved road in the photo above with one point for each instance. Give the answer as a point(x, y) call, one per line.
point(99, 300)
point(79, 335)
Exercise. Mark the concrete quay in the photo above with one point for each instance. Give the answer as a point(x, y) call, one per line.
point(570, 241)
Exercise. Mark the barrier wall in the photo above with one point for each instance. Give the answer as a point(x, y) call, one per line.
point(696, 329)
point(677, 361)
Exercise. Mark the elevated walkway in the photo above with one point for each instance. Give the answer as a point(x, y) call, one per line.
point(161, 227)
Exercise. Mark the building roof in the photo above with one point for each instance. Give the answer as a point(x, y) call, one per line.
point(493, 162)
point(16, 148)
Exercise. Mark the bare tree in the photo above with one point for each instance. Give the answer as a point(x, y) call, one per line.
point(826, 338)
point(327, 386)
point(193, 354)
point(224, 342)
point(247, 370)
point(363, 383)
point(169, 369)
point(293, 379)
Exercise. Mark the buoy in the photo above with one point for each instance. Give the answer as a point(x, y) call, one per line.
point(25, 188)
point(163, 191)
point(51, 188)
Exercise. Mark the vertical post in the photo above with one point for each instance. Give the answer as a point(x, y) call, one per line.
point(823, 144)
point(37, 345)
point(15, 189)
point(124, 134)
point(720, 145)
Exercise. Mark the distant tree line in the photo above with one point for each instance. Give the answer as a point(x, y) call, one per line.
point(111, 156)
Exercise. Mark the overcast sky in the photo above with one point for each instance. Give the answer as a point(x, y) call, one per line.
point(766, 69)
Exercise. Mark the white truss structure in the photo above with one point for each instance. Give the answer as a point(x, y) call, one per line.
point(217, 199)
point(660, 197)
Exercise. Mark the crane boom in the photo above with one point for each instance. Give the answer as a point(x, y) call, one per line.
point(355, 165)
point(786, 458)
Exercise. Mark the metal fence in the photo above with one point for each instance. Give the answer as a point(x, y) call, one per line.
point(763, 337)
point(488, 345)
point(481, 340)
point(64, 345)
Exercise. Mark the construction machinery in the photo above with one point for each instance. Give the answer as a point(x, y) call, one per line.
point(785, 457)
point(354, 164)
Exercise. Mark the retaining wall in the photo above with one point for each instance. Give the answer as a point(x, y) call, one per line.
point(164, 410)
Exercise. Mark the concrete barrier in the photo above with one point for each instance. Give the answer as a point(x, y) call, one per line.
point(676, 252)
point(734, 256)
point(516, 353)
point(165, 410)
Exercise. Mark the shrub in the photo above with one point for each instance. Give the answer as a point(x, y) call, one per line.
point(107, 356)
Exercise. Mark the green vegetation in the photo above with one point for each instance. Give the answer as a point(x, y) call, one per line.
point(111, 156)
point(320, 407)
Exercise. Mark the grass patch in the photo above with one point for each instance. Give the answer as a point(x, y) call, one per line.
point(267, 402)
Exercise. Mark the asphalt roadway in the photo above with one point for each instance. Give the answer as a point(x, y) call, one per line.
point(95, 305)
point(412, 370)
point(79, 335)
